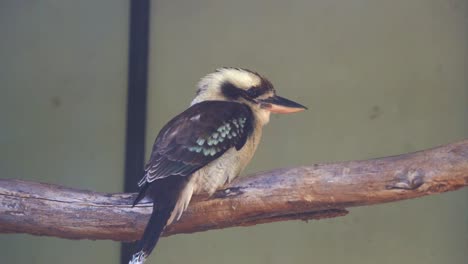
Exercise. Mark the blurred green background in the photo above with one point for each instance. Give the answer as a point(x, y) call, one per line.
point(379, 77)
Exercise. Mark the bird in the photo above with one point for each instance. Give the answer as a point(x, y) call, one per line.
point(206, 146)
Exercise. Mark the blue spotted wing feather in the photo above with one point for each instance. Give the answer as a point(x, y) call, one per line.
point(196, 137)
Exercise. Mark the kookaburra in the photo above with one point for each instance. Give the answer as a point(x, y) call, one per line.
point(206, 146)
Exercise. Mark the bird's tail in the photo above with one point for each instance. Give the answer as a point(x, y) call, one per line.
point(141, 194)
point(153, 230)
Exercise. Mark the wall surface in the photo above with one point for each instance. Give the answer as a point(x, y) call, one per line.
point(63, 74)
point(379, 77)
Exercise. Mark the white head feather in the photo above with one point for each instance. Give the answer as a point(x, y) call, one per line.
point(209, 87)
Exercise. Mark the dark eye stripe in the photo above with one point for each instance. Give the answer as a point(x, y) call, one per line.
point(231, 91)
point(255, 92)
point(264, 87)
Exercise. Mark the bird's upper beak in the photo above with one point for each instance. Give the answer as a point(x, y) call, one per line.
point(281, 105)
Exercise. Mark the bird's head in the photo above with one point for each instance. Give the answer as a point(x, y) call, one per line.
point(245, 86)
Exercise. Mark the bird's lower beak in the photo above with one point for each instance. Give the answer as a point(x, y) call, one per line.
point(281, 105)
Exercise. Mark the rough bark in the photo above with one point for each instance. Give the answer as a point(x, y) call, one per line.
point(308, 192)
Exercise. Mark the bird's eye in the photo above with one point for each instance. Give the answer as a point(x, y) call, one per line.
point(253, 92)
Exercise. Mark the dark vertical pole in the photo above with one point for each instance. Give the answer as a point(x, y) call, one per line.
point(136, 102)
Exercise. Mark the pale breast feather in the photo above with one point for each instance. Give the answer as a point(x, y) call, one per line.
point(198, 136)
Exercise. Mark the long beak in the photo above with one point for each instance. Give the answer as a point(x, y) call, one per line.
point(281, 105)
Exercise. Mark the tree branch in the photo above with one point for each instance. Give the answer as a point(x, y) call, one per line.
point(309, 192)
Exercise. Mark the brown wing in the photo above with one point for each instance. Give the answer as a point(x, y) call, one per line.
point(196, 137)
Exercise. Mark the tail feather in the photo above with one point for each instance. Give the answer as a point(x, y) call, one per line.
point(153, 231)
point(141, 194)
point(165, 195)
